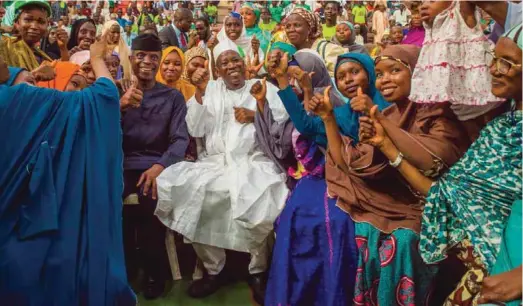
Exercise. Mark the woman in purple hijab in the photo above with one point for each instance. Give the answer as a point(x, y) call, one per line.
point(416, 33)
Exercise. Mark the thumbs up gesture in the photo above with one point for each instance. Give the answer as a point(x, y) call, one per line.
point(371, 131)
point(361, 103)
point(132, 97)
point(200, 77)
point(259, 91)
point(321, 105)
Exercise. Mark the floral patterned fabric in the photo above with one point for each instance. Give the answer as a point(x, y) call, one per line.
point(474, 199)
point(452, 65)
point(390, 269)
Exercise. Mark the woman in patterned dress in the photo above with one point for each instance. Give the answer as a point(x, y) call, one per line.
point(467, 208)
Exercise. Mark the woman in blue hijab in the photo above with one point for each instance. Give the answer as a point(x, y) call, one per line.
point(315, 255)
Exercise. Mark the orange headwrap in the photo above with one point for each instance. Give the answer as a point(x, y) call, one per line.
point(64, 73)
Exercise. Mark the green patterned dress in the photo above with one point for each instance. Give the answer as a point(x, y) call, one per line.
point(474, 199)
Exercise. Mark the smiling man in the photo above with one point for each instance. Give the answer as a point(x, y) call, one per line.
point(229, 198)
point(154, 138)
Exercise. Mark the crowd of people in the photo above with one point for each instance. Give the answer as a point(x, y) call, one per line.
point(358, 152)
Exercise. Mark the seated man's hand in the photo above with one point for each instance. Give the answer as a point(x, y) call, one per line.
point(244, 115)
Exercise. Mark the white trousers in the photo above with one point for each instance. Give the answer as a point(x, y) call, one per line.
point(213, 258)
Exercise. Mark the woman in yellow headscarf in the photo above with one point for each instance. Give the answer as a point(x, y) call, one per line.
point(171, 69)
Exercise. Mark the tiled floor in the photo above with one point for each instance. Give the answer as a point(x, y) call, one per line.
point(237, 294)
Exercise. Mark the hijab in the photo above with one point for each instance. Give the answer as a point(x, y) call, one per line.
point(51, 49)
point(263, 36)
point(75, 28)
point(121, 48)
point(182, 85)
point(243, 42)
point(64, 73)
point(312, 20)
point(80, 57)
point(351, 46)
point(370, 190)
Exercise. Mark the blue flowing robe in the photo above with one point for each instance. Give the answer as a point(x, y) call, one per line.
point(60, 197)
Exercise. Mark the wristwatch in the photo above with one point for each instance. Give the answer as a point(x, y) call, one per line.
point(397, 161)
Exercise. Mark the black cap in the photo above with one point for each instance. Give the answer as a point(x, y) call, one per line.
point(147, 42)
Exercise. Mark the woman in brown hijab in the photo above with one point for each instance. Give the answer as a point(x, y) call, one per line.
point(387, 213)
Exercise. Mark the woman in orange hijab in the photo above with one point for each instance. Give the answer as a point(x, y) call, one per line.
point(68, 78)
point(171, 70)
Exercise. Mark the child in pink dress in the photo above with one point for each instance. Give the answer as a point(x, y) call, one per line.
point(452, 65)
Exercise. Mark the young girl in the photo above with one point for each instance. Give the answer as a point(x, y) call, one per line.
point(452, 65)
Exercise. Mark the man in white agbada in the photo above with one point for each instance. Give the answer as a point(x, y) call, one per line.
point(229, 198)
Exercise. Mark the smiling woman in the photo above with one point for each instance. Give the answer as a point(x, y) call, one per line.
point(170, 73)
point(31, 20)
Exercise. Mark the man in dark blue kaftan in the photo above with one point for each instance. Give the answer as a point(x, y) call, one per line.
point(154, 137)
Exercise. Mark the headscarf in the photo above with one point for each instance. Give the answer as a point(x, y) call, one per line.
point(406, 53)
point(80, 57)
point(515, 35)
point(64, 73)
point(189, 55)
point(244, 41)
point(351, 46)
point(285, 47)
point(312, 20)
point(13, 73)
point(121, 48)
point(182, 85)
point(50, 49)
point(75, 28)
point(263, 36)
point(350, 116)
point(310, 61)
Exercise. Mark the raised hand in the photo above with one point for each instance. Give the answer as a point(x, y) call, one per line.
point(278, 66)
point(371, 131)
point(244, 115)
point(255, 44)
point(200, 77)
point(305, 81)
point(98, 49)
point(259, 92)
point(321, 104)
point(252, 68)
point(361, 103)
point(44, 72)
point(213, 41)
point(132, 97)
point(61, 37)
point(193, 38)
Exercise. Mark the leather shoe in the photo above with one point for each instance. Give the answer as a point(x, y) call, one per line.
point(206, 286)
point(258, 284)
point(153, 289)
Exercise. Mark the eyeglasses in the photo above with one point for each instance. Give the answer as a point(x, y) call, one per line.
point(503, 66)
point(385, 57)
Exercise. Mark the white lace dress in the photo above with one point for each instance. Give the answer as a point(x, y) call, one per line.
point(452, 64)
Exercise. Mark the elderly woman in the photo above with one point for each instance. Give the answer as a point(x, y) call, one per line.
point(468, 207)
point(346, 38)
point(303, 30)
point(387, 213)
